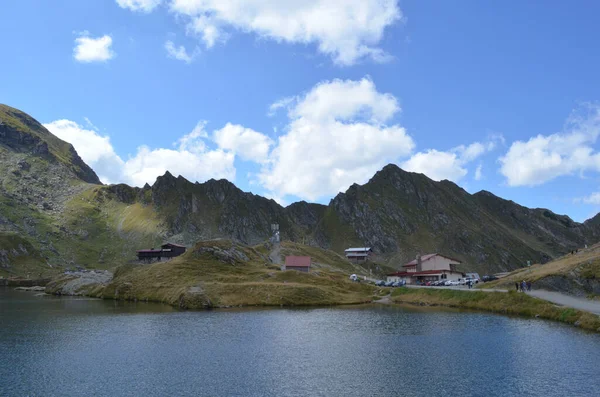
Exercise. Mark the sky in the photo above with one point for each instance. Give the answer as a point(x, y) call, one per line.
point(299, 99)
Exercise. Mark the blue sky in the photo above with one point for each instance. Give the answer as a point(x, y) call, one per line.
point(502, 97)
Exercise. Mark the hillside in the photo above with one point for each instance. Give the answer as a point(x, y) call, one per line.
point(222, 273)
point(401, 213)
point(55, 203)
point(574, 274)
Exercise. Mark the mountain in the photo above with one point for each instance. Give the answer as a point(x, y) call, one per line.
point(54, 206)
point(401, 214)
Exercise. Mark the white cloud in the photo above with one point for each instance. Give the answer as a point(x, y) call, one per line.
point(94, 149)
point(247, 143)
point(192, 142)
point(90, 124)
point(191, 159)
point(336, 136)
point(280, 104)
point(148, 164)
point(451, 165)
point(88, 49)
point(593, 198)
point(139, 5)
point(436, 165)
point(545, 157)
point(346, 30)
point(478, 172)
point(346, 100)
point(180, 53)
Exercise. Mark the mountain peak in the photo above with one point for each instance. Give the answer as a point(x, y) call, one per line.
point(21, 133)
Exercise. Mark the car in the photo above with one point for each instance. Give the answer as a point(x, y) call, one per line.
point(380, 283)
point(452, 283)
point(389, 283)
point(399, 283)
point(440, 283)
point(486, 279)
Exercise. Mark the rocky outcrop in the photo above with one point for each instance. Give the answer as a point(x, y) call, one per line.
point(23, 134)
point(78, 283)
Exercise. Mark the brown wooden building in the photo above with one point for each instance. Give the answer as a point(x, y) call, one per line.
point(171, 250)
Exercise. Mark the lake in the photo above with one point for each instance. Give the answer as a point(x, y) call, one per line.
point(83, 347)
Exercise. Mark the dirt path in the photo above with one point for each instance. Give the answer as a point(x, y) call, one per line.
point(386, 300)
point(459, 288)
point(566, 300)
point(554, 297)
point(275, 254)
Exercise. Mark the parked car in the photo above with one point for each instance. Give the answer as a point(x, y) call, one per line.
point(440, 283)
point(401, 283)
point(485, 279)
point(380, 283)
point(452, 283)
point(389, 283)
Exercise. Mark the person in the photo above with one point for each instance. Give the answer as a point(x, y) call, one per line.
point(523, 286)
point(517, 286)
point(528, 285)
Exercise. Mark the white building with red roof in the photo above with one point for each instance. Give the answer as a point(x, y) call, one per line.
point(430, 267)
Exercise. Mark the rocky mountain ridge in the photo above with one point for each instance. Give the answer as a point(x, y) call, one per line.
point(54, 201)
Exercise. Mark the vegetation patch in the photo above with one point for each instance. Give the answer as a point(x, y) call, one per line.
point(575, 273)
point(513, 303)
point(222, 273)
point(17, 253)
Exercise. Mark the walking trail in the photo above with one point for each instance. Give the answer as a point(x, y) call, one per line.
point(567, 300)
point(554, 297)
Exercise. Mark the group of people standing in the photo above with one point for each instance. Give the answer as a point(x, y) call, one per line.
point(523, 286)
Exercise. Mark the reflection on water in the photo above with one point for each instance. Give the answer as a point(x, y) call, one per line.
point(71, 346)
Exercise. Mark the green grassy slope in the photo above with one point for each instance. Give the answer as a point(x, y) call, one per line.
point(577, 274)
point(222, 273)
point(18, 252)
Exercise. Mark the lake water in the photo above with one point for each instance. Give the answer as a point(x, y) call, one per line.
point(81, 347)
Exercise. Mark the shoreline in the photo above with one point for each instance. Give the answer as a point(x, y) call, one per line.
point(503, 303)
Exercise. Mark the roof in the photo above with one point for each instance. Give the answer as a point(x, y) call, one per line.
point(174, 245)
point(423, 273)
point(297, 261)
point(149, 251)
point(359, 249)
point(428, 257)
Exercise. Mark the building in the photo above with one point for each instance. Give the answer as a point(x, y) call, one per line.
point(431, 267)
point(360, 254)
point(166, 251)
point(299, 263)
point(171, 250)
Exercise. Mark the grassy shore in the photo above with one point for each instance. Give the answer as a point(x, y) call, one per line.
point(225, 274)
point(513, 303)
